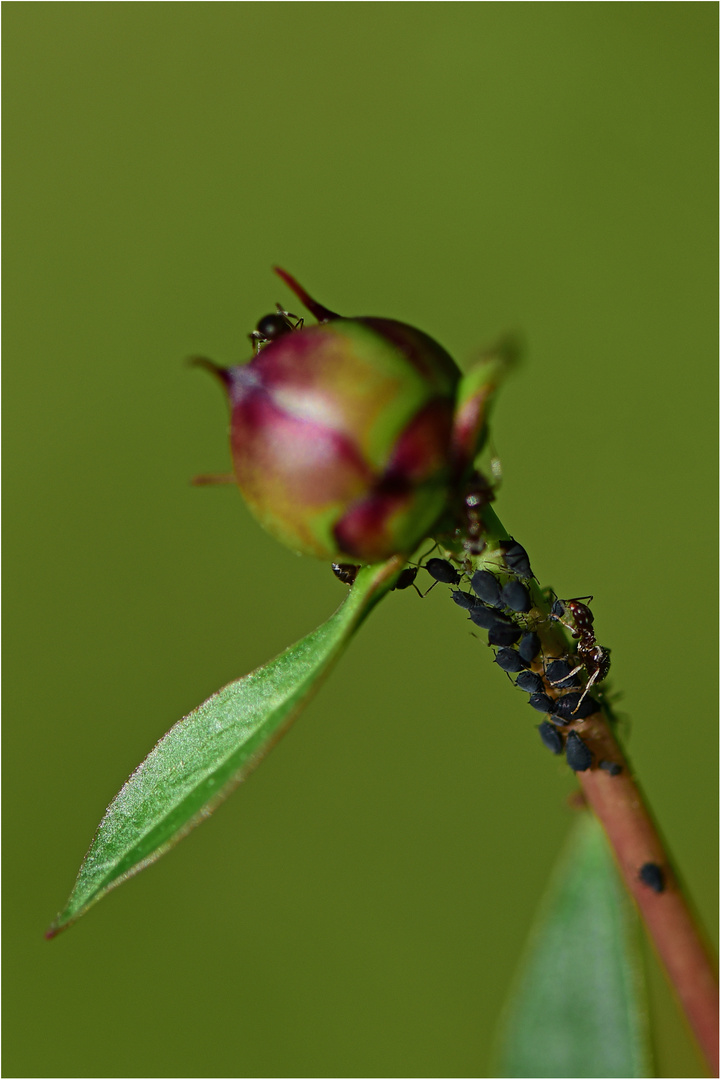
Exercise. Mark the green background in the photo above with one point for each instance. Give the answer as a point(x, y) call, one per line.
point(358, 907)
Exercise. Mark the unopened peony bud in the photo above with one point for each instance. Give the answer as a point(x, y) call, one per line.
point(341, 433)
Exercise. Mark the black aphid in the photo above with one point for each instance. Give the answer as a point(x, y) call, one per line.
point(550, 737)
point(578, 755)
point(443, 571)
point(503, 635)
point(558, 609)
point(529, 647)
point(488, 618)
point(406, 578)
point(652, 875)
point(542, 702)
point(464, 599)
point(574, 706)
point(485, 585)
point(530, 682)
point(610, 767)
point(559, 674)
point(516, 597)
point(509, 660)
point(516, 558)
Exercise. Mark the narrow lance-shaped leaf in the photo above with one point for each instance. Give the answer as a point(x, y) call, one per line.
point(579, 1007)
point(197, 764)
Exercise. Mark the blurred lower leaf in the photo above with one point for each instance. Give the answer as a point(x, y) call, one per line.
point(204, 757)
point(579, 1006)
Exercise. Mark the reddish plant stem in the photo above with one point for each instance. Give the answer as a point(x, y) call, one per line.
point(635, 840)
point(619, 805)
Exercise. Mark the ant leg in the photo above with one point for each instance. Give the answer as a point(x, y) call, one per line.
point(569, 626)
point(420, 563)
point(563, 678)
point(575, 671)
point(427, 553)
point(297, 320)
point(257, 340)
point(589, 684)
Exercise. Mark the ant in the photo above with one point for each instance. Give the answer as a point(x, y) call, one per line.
point(477, 495)
point(345, 572)
point(271, 327)
point(595, 658)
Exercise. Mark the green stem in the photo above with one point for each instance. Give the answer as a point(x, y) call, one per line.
point(494, 529)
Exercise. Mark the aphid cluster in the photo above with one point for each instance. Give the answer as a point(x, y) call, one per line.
point(500, 601)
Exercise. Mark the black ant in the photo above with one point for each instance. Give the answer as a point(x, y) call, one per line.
point(271, 327)
point(516, 559)
point(595, 658)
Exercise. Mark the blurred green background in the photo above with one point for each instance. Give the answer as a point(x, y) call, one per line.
point(357, 908)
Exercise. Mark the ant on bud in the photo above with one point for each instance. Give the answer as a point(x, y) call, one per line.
point(271, 327)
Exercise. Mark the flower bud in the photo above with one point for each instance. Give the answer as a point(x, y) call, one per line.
point(341, 433)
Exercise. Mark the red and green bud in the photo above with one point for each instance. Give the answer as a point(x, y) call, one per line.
point(342, 434)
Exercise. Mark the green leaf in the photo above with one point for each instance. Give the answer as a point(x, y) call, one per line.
point(579, 1006)
point(197, 764)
